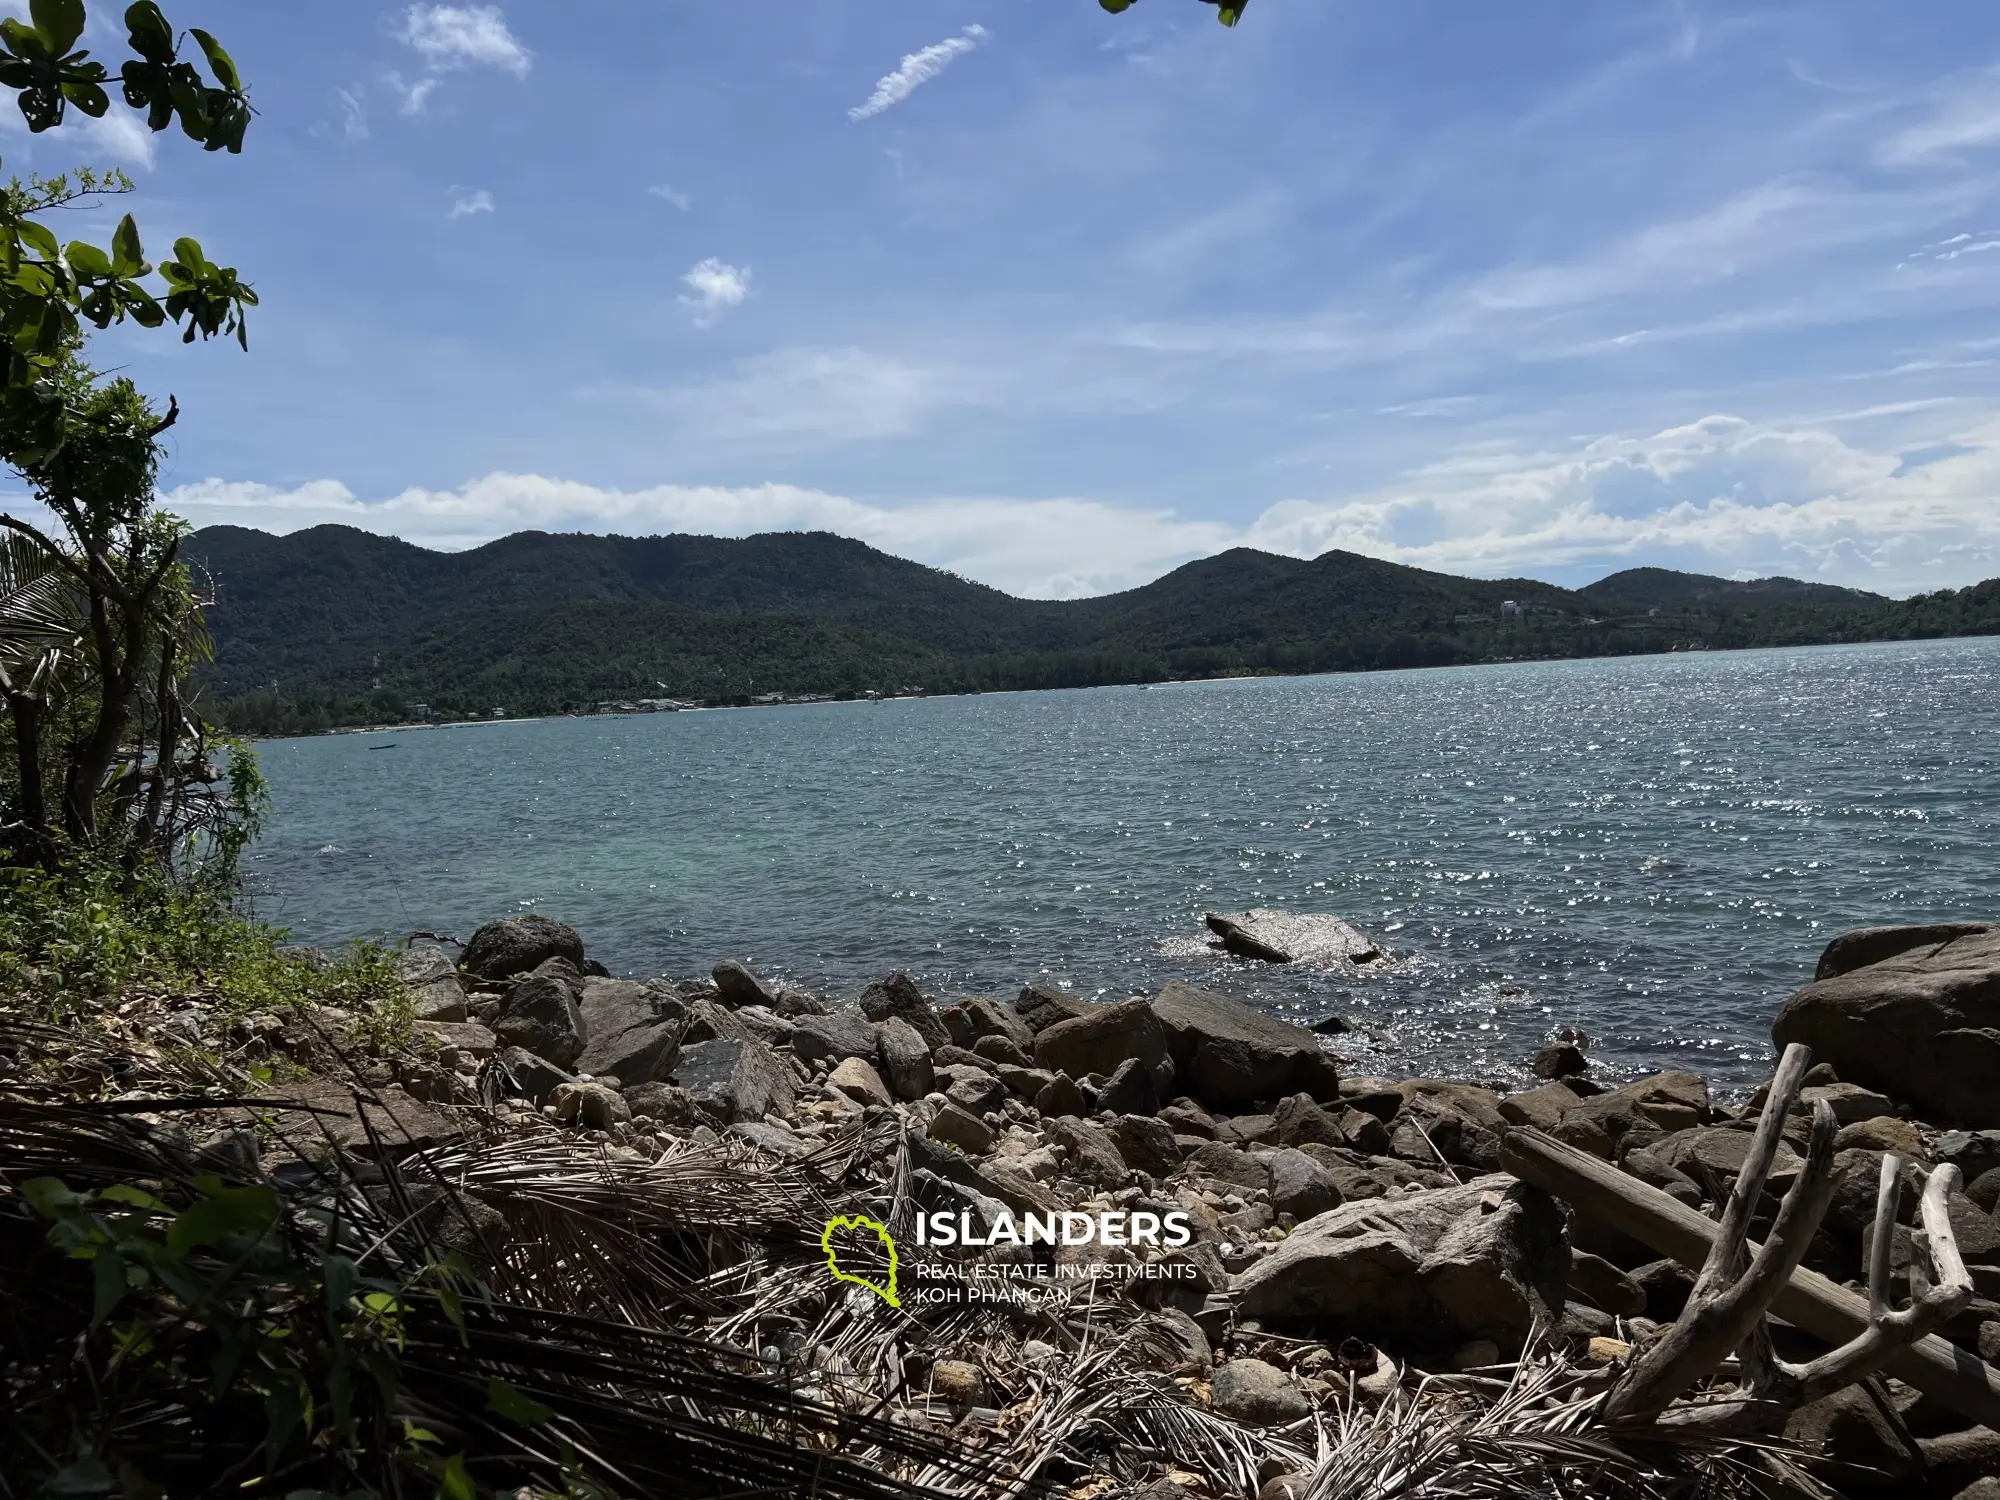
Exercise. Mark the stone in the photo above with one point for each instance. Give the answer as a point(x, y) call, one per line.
point(766, 1025)
point(712, 1021)
point(1129, 1090)
point(1973, 1152)
point(1188, 1347)
point(665, 1102)
point(773, 1139)
point(1061, 1097)
point(993, 1050)
point(1984, 1190)
point(1468, 1100)
point(540, 1015)
point(1186, 1117)
point(526, 1076)
point(590, 1105)
point(1433, 1269)
point(1850, 1102)
point(1540, 1108)
point(974, 1089)
point(1604, 1286)
point(1027, 1083)
point(958, 1382)
point(424, 963)
point(1655, 1171)
point(1298, 1120)
point(1100, 1041)
point(1093, 1156)
point(736, 1080)
point(1301, 1187)
point(1225, 1163)
point(1449, 1135)
point(1041, 1005)
point(906, 1059)
point(1478, 1354)
point(830, 1038)
point(1147, 1144)
point(1980, 1489)
point(1364, 1132)
point(1913, 1013)
point(399, 1123)
point(859, 1082)
point(898, 996)
point(1228, 1054)
point(1858, 1178)
point(1718, 1151)
point(626, 1035)
point(440, 1000)
point(1881, 1133)
point(516, 945)
point(992, 1018)
point(1667, 1285)
point(1257, 1395)
point(1561, 1060)
point(1246, 1130)
point(739, 987)
point(1848, 1429)
point(1284, 937)
point(961, 1128)
point(466, 1038)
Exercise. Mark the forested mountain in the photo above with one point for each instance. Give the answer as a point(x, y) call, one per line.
point(335, 625)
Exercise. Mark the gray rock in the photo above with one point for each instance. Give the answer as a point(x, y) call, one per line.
point(1847, 1428)
point(993, 1018)
point(1257, 1395)
point(440, 1000)
point(739, 987)
point(1539, 1108)
point(424, 963)
point(1187, 1346)
point(1062, 1097)
point(973, 1088)
point(541, 1016)
point(995, 1050)
point(1228, 1054)
point(1973, 1152)
point(906, 1060)
point(774, 1139)
point(736, 1080)
point(1913, 1013)
point(1364, 1132)
point(590, 1105)
point(665, 1102)
point(1225, 1163)
point(1433, 1269)
point(467, 1038)
point(1130, 1091)
point(1666, 1285)
point(1562, 1060)
point(859, 1082)
point(828, 1039)
point(898, 996)
point(1299, 1120)
point(1093, 1156)
point(1042, 1005)
point(1604, 1286)
point(1146, 1144)
point(516, 945)
point(1188, 1118)
point(711, 1021)
point(626, 1034)
point(1301, 1187)
point(1285, 937)
point(961, 1128)
point(523, 1075)
point(1027, 1083)
point(1100, 1041)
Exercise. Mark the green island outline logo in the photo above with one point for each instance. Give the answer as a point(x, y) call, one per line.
point(860, 1221)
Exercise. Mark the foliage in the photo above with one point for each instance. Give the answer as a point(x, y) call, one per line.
point(1228, 12)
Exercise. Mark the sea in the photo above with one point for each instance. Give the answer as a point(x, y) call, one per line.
point(1650, 851)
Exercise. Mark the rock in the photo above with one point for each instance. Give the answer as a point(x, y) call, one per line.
point(1100, 1041)
point(516, 945)
point(711, 1021)
point(540, 1016)
point(466, 1038)
point(1858, 1178)
point(1666, 1285)
point(1147, 1144)
point(1541, 1109)
point(1719, 1150)
point(898, 996)
point(1257, 1395)
point(1185, 1117)
point(424, 963)
point(1298, 1120)
point(526, 1076)
point(1093, 1155)
point(1042, 1005)
point(1130, 1090)
point(859, 1082)
point(1881, 1133)
point(1061, 1097)
point(1604, 1286)
point(830, 1038)
point(399, 1123)
point(1026, 1084)
point(736, 1080)
point(590, 1105)
point(1957, 1459)
point(1449, 1135)
point(1246, 1130)
point(960, 1383)
point(627, 1036)
point(1365, 1133)
point(1654, 1171)
point(1434, 1269)
point(766, 1025)
point(664, 1102)
point(1479, 1354)
point(1283, 937)
point(1188, 1347)
point(1225, 1163)
point(974, 1089)
point(1849, 1102)
point(1848, 1429)
point(1559, 1061)
point(993, 1050)
point(906, 1060)
point(1301, 1187)
point(1228, 1054)
point(774, 1139)
point(431, 978)
point(1980, 1489)
point(961, 1128)
point(1667, 1101)
point(992, 1018)
point(739, 987)
point(1984, 1190)
point(1468, 1100)
point(1973, 1152)
point(1919, 1023)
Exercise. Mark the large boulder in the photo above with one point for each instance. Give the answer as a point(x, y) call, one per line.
point(829, 1039)
point(1288, 937)
point(736, 1080)
point(515, 945)
point(1425, 1272)
point(1041, 1005)
point(1257, 1394)
point(898, 996)
point(1100, 1040)
point(540, 1015)
point(1228, 1054)
point(739, 986)
point(906, 1061)
point(629, 1034)
point(1912, 1012)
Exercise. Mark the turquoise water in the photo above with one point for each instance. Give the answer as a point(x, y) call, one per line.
point(1654, 850)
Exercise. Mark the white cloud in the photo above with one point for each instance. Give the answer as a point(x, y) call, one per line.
point(827, 394)
point(477, 201)
point(919, 68)
point(682, 201)
point(353, 115)
point(411, 97)
point(457, 36)
point(1966, 116)
point(120, 136)
point(717, 287)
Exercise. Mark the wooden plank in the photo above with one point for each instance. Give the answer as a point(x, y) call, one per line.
point(1935, 1366)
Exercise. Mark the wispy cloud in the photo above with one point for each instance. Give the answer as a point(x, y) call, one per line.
point(919, 68)
point(457, 36)
point(716, 286)
point(353, 115)
point(682, 201)
point(411, 97)
point(821, 394)
point(1966, 116)
point(467, 203)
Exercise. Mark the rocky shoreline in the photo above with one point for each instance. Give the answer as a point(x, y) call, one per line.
point(1345, 1230)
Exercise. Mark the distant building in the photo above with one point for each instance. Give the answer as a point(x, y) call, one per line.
point(1509, 609)
point(499, 713)
point(420, 710)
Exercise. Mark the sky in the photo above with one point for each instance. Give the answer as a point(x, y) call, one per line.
point(1061, 300)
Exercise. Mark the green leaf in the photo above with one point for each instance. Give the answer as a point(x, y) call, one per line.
point(128, 256)
point(122, 1192)
point(453, 1482)
point(87, 97)
point(341, 1276)
point(188, 253)
point(149, 33)
point(87, 260)
point(40, 239)
point(49, 1196)
point(1116, 6)
point(225, 1211)
point(515, 1407)
point(58, 22)
point(108, 1278)
point(219, 61)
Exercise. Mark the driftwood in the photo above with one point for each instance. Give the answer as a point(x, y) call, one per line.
point(1741, 1282)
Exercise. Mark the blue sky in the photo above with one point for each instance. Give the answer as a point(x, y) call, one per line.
point(1061, 300)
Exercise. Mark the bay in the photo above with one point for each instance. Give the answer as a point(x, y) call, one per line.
point(1653, 850)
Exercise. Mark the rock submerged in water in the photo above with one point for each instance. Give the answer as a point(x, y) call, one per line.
point(1287, 937)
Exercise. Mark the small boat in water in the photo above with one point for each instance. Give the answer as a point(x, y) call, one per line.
point(390, 745)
